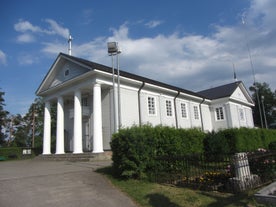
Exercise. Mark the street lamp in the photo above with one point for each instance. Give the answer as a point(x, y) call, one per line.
point(264, 111)
point(114, 50)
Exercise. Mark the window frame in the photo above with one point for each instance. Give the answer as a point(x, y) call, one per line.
point(151, 106)
point(196, 112)
point(169, 108)
point(242, 114)
point(219, 113)
point(184, 106)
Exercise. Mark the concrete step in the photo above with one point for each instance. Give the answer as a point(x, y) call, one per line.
point(84, 157)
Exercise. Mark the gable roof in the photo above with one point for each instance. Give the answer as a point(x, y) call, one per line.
point(93, 65)
point(220, 91)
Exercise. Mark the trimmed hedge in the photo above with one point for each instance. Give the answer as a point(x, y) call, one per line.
point(230, 141)
point(11, 152)
point(135, 149)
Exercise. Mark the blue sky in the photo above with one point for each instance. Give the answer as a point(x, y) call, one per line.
point(191, 44)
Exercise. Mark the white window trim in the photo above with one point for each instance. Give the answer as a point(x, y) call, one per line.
point(171, 109)
point(223, 113)
point(244, 116)
point(155, 106)
point(197, 110)
point(186, 110)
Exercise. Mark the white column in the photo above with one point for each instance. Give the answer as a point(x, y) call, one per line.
point(77, 123)
point(97, 122)
point(60, 126)
point(47, 129)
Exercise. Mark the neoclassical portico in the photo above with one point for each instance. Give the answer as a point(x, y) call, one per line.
point(77, 123)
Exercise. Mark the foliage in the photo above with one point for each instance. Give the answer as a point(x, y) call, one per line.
point(11, 152)
point(230, 141)
point(3, 119)
point(272, 146)
point(267, 104)
point(135, 149)
point(153, 194)
point(263, 164)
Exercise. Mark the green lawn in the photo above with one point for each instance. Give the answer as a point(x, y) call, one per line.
point(147, 194)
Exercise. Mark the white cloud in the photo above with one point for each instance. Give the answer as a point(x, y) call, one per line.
point(26, 59)
point(28, 30)
point(194, 62)
point(25, 38)
point(55, 28)
point(24, 26)
point(153, 23)
point(3, 58)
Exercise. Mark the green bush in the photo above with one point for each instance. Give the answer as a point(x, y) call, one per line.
point(136, 149)
point(272, 146)
point(230, 141)
point(11, 152)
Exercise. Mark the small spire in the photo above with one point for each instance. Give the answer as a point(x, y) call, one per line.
point(235, 75)
point(70, 45)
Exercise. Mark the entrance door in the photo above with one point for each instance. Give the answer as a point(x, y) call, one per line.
point(85, 136)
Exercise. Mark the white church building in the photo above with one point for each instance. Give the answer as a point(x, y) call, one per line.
point(87, 114)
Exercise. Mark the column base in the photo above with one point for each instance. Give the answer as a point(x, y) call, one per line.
point(94, 152)
point(78, 152)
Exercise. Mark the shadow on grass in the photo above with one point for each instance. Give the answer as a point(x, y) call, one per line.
point(159, 200)
point(229, 200)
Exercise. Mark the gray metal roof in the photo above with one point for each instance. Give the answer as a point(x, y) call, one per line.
point(107, 69)
point(220, 91)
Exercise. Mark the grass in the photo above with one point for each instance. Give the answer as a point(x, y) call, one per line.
point(147, 194)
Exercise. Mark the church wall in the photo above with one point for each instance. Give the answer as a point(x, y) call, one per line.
point(195, 123)
point(146, 118)
point(183, 122)
point(206, 118)
point(107, 120)
point(129, 107)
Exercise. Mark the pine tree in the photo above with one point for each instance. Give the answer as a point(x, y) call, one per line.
point(3, 119)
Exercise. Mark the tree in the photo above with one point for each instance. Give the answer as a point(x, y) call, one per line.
point(264, 111)
point(3, 119)
point(29, 132)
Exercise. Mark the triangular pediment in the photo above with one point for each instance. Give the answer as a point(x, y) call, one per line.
point(63, 70)
point(240, 94)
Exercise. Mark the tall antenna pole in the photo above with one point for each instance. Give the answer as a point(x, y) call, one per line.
point(254, 79)
point(70, 45)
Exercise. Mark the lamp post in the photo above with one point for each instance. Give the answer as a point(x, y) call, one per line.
point(112, 51)
point(264, 111)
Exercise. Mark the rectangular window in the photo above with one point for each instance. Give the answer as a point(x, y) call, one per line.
point(169, 107)
point(242, 117)
point(183, 110)
point(151, 105)
point(196, 112)
point(84, 101)
point(219, 113)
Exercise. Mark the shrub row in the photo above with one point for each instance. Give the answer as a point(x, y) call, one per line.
point(135, 149)
point(230, 141)
point(11, 152)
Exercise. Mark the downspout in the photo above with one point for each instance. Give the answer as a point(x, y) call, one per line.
point(175, 110)
point(202, 127)
point(139, 103)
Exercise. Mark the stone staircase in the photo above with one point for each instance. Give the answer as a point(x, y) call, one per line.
point(83, 157)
